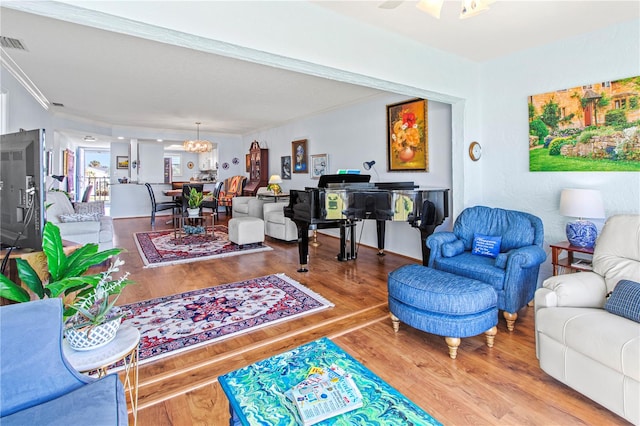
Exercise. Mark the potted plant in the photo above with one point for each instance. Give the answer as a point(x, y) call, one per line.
point(96, 319)
point(66, 279)
point(194, 199)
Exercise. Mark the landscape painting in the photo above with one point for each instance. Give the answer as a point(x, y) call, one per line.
point(591, 128)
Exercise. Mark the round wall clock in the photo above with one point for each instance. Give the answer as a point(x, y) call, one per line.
point(190, 164)
point(475, 151)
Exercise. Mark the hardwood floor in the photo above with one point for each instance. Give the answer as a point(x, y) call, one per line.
point(501, 385)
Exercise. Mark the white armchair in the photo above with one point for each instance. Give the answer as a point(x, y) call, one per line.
point(243, 206)
point(579, 343)
point(276, 225)
point(81, 223)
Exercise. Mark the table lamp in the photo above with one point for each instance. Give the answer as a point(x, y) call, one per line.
point(582, 203)
point(274, 184)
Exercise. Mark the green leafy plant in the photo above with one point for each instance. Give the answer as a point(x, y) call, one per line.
point(195, 198)
point(65, 271)
point(539, 129)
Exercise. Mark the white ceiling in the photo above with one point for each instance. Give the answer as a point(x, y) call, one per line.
point(132, 82)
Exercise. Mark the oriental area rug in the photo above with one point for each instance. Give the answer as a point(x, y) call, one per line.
point(171, 324)
point(161, 248)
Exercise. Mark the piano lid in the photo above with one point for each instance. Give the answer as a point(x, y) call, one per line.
point(325, 180)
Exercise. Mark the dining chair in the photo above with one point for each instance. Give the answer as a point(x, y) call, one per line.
point(213, 202)
point(157, 207)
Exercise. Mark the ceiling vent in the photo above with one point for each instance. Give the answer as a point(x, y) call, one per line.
point(58, 104)
point(11, 43)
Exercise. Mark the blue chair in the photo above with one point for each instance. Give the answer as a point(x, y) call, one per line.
point(38, 386)
point(513, 274)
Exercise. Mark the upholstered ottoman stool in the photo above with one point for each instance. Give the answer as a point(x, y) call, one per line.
point(246, 230)
point(442, 303)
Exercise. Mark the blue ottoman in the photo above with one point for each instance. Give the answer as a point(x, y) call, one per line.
point(442, 303)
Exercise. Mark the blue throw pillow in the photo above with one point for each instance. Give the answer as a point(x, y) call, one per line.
point(625, 300)
point(453, 248)
point(486, 245)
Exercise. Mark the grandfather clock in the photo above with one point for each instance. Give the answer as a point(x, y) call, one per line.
point(258, 169)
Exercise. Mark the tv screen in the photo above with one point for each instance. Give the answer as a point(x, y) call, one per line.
point(22, 189)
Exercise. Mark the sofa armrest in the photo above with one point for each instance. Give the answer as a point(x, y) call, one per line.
point(270, 207)
point(436, 241)
point(526, 257)
point(582, 289)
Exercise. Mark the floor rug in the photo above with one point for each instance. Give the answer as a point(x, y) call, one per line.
point(161, 248)
point(171, 324)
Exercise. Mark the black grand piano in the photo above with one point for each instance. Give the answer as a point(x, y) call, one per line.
point(341, 200)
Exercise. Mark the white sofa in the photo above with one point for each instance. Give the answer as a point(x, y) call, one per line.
point(276, 225)
point(80, 223)
point(248, 206)
point(580, 343)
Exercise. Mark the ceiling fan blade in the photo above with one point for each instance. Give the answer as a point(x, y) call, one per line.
point(390, 4)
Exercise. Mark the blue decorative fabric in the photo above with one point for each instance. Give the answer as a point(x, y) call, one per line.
point(624, 301)
point(34, 371)
point(441, 303)
point(513, 274)
point(486, 245)
point(453, 248)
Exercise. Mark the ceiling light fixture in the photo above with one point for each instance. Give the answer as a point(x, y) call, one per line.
point(197, 145)
point(468, 8)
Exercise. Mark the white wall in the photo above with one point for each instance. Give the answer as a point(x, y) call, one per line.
point(353, 135)
point(506, 83)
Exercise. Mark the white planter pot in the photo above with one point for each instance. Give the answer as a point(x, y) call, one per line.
point(193, 212)
point(87, 338)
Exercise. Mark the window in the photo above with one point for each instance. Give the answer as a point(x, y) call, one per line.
point(606, 84)
point(176, 163)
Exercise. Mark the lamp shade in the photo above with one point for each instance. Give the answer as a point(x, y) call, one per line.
point(275, 179)
point(581, 203)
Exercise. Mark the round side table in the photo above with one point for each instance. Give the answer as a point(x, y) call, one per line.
point(124, 347)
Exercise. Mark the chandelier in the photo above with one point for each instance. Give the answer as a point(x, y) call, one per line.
point(197, 145)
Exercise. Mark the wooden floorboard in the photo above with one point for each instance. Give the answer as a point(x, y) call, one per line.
point(499, 385)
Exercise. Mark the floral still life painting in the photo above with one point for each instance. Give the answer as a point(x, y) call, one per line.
point(407, 139)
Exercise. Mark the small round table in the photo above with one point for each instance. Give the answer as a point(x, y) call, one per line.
point(124, 347)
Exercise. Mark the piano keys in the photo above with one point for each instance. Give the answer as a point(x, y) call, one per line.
point(340, 201)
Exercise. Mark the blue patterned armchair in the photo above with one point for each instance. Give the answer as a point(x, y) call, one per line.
point(513, 272)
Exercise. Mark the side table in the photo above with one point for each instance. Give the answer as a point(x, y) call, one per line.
point(124, 347)
point(569, 262)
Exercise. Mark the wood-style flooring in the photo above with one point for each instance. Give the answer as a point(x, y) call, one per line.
point(502, 385)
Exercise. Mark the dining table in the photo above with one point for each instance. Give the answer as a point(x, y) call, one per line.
point(178, 192)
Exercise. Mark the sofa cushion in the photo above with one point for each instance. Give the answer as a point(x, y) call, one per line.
point(79, 217)
point(515, 228)
point(90, 207)
point(609, 339)
point(625, 300)
point(486, 245)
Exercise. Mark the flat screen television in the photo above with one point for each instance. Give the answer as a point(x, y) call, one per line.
point(22, 189)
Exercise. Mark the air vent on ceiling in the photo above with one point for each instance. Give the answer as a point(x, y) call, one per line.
point(58, 104)
point(11, 43)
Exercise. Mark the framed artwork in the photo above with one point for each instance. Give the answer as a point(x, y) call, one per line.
point(69, 169)
point(586, 128)
point(247, 160)
point(300, 156)
point(122, 162)
point(319, 165)
point(285, 167)
point(407, 136)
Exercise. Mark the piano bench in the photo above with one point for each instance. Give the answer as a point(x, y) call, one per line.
point(246, 230)
point(441, 303)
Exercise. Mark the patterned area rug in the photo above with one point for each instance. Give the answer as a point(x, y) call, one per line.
point(161, 248)
point(169, 325)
